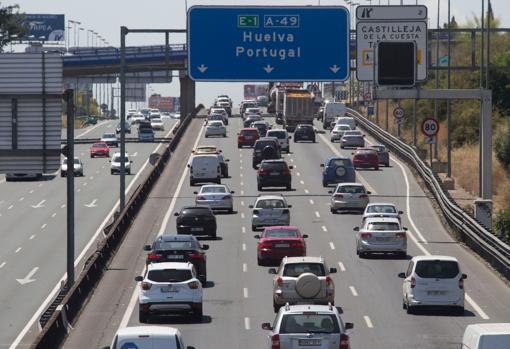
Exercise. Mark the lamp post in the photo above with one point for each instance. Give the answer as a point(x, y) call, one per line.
point(74, 23)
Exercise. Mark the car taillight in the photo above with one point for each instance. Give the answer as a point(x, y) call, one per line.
point(461, 284)
point(262, 171)
point(265, 244)
point(366, 235)
point(146, 285)
point(329, 281)
point(275, 341)
point(226, 197)
point(401, 235)
point(297, 244)
point(196, 255)
point(279, 281)
point(194, 285)
point(363, 196)
point(255, 211)
point(201, 197)
point(413, 282)
point(339, 196)
point(285, 211)
point(154, 256)
point(344, 341)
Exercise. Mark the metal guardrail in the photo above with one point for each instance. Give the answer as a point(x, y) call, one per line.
point(54, 332)
point(471, 232)
point(128, 140)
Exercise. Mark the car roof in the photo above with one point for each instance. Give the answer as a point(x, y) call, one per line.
point(281, 227)
point(147, 331)
point(434, 257)
point(337, 158)
point(298, 308)
point(276, 130)
point(381, 204)
point(249, 128)
point(305, 259)
point(270, 197)
point(382, 220)
point(349, 183)
point(170, 265)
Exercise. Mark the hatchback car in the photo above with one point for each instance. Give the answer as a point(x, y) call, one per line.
point(338, 131)
point(270, 210)
point(216, 196)
point(283, 138)
point(349, 196)
point(144, 337)
point(110, 139)
point(383, 153)
point(262, 126)
point(265, 148)
point(196, 220)
point(352, 139)
point(304, 132)
point(99, 149)
point(115, 163)
point(250, 119)
point(337, 170)
point(381, 209)
point(179, 248)
point(301, 280)
point(433, 281)
point(274, 173)
point(381, 235)
point(247, 137)
point(215, 128)
point(365, 158)
point(308, 326)
point(78, 168)
point(278, 242)
point(169, 288)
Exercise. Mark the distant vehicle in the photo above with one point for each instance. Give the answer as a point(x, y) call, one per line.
point(274, 173)
point(298, 108)
point(153, 115)
point(282, 136)
point(337, 170)
point(346, 120)
point(332, 111)
point(338, 131)
point(486, 336)
point(127, 128)
point(99, 149)
point(216, 196)
point(204, 168)
point(145, 132)
point(137, 118)
point(215, 128)
point(78, 167)
point(155, 337)
point(165, 115)
point(247, 137)
point(383, 153)
point(365, 158)
point(270, 210)
point(157, 124)
point(221, 111)
point(262, 101)
point(265, 148)
point(245, 105)
point(352, 139)
point(250, 119)
point(381, 209)
point(196, 220)
point(304, 133)
point(145, 112)
point(381, 235)
point(110, 139)
point(253, 110)
point(349, 196)
point(176, 115)
point(278, 242)
point(262, 126)
point(115, 163)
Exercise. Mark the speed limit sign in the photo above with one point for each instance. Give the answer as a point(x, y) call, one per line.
point(398, 113)
point(430, 127)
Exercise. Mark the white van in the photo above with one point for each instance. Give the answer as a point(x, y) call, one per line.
point(204, 168)
point(487, 336)
point(346, 120)
point(148, 337)
point(282, 136)
point(332, 111)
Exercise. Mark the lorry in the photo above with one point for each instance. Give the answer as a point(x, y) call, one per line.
point(298, 108)
point(332, 111)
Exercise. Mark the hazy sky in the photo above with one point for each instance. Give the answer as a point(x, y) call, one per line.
point(106, 17)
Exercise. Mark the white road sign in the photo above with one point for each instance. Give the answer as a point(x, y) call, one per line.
point(368, 33)
point(398, 113)
point(386, 13)
point(430, 127)
point(430, 140)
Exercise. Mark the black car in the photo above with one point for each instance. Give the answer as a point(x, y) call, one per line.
point(265, 148)
point(179, 248)
point(262, 127)
point(304, 132)
point(196, 220)
point(274, 173)
point(251, 119)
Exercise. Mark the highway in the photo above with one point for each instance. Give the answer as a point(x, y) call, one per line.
point(33, 229)
point(237, 299)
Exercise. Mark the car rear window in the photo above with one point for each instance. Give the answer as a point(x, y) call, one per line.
point(383, 226)
point(99, 145)
point(340, 162)
point(207, 190)
point(109, 135)
point(280, 233)
point(437, 269)
point(169, 275)
point(309, 323)
point(381, 209)
point(296, 269)
point(274, 165)
point(270, 203)
point(352, 133)
point(277, 134)
point(196, 211)
point(351, 189)
point(263, 144)
point(249, 132)
point(174, 245)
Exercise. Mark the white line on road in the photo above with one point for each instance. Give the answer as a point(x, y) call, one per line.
point(43, 226)
point(317, 214)
point(10, 207)
point(302, 182)
point(242, 192)
point(368, 321)
point(40, 185)
point(31, 237)
point(242, 203)
point(31, 191)
point(298, 174)
point(244, 247)
point(311, 202)
point(324, 229)
point(40, 204)
point(307, 191)
point(331, 245)
point(21, 198)
point(243, 229)
point(341, 265)
point(353, 291)
point(247, 323)
point(242, 215)
point(291, 160)
point(242, 183)
point(53, 215)
point(241, 175)
point(84, 184)
point(78, 190)
point(2, 265)
point(245, 267)
point(245, 292)
point(241, 168)
point(63, 206)
point(91, 178)
point(17, 250)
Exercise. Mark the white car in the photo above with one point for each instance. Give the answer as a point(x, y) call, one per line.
point(110, 139)
point(169, 287)
point(78, 167)
point(349, 196)
point(216, 196)
point(381, 235)
point(282, 136)
point(115, 163)
point(338, 131)
point(154, 337)
point(137, 118)
point(215, 128)
point(165, 115)
point(157, 124)
point(270, 210)
point(433, 281)
point(381, 209)
point(176, 115)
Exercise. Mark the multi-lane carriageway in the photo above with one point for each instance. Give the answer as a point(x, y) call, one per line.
point(237, 299)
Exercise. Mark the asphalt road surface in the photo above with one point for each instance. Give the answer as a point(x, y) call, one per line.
point(33, 229)
point(237, 299)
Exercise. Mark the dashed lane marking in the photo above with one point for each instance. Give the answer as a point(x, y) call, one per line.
point(331, 245)
point(324, 229)
point(342, 266)
point(368, 321)
point(353, 291)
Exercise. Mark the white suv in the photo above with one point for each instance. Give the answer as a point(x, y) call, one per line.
point(169, 287)
point(433, 281)
point(156, 337)
point(308, 326)
point(115, 163)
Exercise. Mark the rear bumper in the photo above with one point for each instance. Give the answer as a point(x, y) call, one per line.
point(277, 181)
point(345, 205)
point(365, 164)
point(268, 254)
point(169, 307)
point(365, 246)
point(282, 300)
point(216, 205)
point(188, 229)
point(435, 303)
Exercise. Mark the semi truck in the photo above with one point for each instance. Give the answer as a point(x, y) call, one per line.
point(298, 108)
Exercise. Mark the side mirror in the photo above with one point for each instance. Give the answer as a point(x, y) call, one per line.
point(205, 247)
point(232, 192)
point(464, 276)
point(256, 236)
point(195, 192)
point(176, 214)
point(250, 206)
point(272, 271)
point(405, 228)
point(330, 191)
point(349, 325)
point(188, 165)
point(321, 165)
point(355, 228)
point(289, 206)
point(402, 275)
point(332, 270)
point(147, 248)
point(369, 192)
point(400, 212)
point(291, 167)
point(267, 326)
point(305, 236)
point(139, 278)
point(227, 160)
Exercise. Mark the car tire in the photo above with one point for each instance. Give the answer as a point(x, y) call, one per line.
point(111, 172)
point(191, 183)
point(276, 307)
point(143, 317)
point(62, 174)
point(376, 168)
point(260, 262)
point(218, 180)
point(213, 236)
point(259, 187)
point(91, 156)
point(341, 147)
point(239, 146)
point(404, 306)
point(288, 187)
point(206, 136)
point(230, 210)
point(324, 184)
point(198, 314)
point(224, 136)
point(332, 210)
point(253, 227)
point(409, 309)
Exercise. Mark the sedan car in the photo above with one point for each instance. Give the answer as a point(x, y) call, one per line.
point(383, 153)
point(365, 157)
point(179, 248)
point(196, 220)
point(381, 235)
point(274, 173)
point(78, 167)
point(349, 196)
point(247, 137)
point(352, 139)
point(270, 210)
point(250, 119)
point(110, 139)
point(381, 209)
point(157, 124)
point(337, 170)
point(280, 241)
point(127, 128)
point(215, 128)
point(304, 132)
point(216, 196)
point(99, 149)
point(262, 126)
point(115, 163)
point(338, 131)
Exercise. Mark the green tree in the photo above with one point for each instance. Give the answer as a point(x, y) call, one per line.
point(11, 23)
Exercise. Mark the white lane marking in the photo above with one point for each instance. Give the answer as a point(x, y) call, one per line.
point(10, 207)
point(78, 190)
point(242, 203)
point(31, 191)
point(324, 229)
point(243, 229)
point(53, 292)
point(245, 292)
point(32, 237)
point(358, 175)
point(302, 182)
point(53, 215)
point(242, 192)
point(135, 154)
point(21, 198)
point(240, 155)
point(317, 214)
point(353, 291)
point(91, 178)
point(311, 202)
point(39, 205)
point(245, 267)
point(247, 323)
point(342, 266)
point(242, 215)
point(368, 321)
point(97, 172)
point(242, 183)
point(307, 191)
point(92, 204)
point(2, 265)
point(291, 160)
point(17, 250)
point(63, 206)
point(476, 307)
point(28, 279)
point(241, 168)
point(85, 184)
point(241, 175)
point(40, 185)
point(43, 226)
point(331, 245)
point(244, 247)
point(298, 174)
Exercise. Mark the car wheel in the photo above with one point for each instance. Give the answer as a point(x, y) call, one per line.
point(341, 147)
point(332, 210)
point(409, 309)
point(377, 168)
point(198, 314)
point(259, 187)
point(191, 183)
point(239, 146)
point(276, 307)
point(404, 306)
point(111, 172)
point(213, 236)
point(206, 136)
point(253, 227)
point(288, 187)
point(224, 136)
point(226, 174)
point(143, 317)
point(260, 262)
point(91, 156)
point(218, 180)
point(62, 174)
point(230, 210)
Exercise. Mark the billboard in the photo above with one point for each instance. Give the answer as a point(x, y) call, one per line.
point(166, 104)
point(252, 91)
point(135, 92)
point(48, 26)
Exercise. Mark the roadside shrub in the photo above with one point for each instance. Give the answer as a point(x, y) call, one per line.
point(502, 225)
point(502, 144)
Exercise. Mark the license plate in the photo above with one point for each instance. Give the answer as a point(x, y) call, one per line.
point(382, 239)
point(197, 229)
point(281, 245)
point(436, 293)
point(309, 342)
point(175, 256)
point(274, 174)
point(248, 137)
point(167, 289)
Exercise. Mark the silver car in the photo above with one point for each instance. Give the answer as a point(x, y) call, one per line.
point(78, 167)
point(270, 210)
point(216, 196)
point(352, 139)
point(349, 196)
point(110, 139)
point(381, 235)
point(383, 153)
point(338, 131)
point(381, 209)
point(215, 128)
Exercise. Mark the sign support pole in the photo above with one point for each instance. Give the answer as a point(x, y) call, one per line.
point(414, 122)
point(122, 194)
point(69, 98)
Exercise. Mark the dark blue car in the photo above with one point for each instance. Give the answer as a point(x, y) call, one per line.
point(337, 170)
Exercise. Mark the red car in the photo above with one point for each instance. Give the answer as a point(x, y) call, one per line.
point(365, 157)
point(247, 137)
point(99, 149)
point(280, 241)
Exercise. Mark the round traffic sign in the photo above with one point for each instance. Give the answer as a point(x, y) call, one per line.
point(368, 96)
point(430, 127)
point(398, 113)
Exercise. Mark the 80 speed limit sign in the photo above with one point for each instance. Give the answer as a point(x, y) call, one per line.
point(430, 127)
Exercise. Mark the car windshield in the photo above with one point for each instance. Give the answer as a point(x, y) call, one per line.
point(383, 226)
point(175, 245)
point(99, 145)
point(280, 165)
point(309, 322)
point(352, 133)
point(379, 147)
point(277, 134)
point(280, 233)
point(208, 190)
point(437, 269)
point(199, 211)
point(169, 275)
point(109, 135)
point(270, 203)
point(263, 144)
point(156, 120)
point(145, 130)
point(351, 189)
point(296, 269)
point(117, 158)
point(342, 127)
point(216, 124)
point(381, 209)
